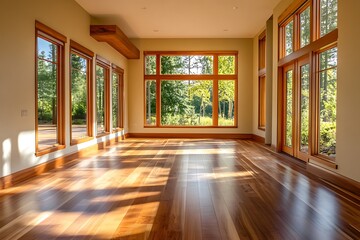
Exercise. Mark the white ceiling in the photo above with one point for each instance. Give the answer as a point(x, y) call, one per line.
point(183, 18)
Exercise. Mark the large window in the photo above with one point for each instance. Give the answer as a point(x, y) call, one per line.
point(117, 97)
point(190, 89)
point(49, 89)
point(308, 121)
point(81, 92)
point(102, 96)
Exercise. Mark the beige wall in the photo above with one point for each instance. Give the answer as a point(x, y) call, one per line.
point(348, 98)
point(136, 80)
point(17, 73)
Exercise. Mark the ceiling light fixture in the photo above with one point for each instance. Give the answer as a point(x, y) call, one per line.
point(235, 7)
point(144, 8)
point(156, 30)
point(226, 30)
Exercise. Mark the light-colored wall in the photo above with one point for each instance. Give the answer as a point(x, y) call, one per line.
point(348, 98)
point(17, 74)
point(245, 63)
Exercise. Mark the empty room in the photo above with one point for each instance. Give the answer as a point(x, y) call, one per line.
point(163, 119)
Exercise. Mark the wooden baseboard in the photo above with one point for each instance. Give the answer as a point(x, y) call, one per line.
point(332, 177)
point(191, 135)
point(258, 139)
point(26, 174)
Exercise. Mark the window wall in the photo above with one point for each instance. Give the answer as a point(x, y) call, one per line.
point(190, 89)
point(308, 39)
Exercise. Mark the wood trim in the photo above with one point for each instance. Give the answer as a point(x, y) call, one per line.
point(88, 55)
point(258, 139)
point(192, 135)
point(289, 11)
point(191, 77)
point(215, 77)
point(334, 178)
point(206, 53)
point(81, 49)
point(103, 61)
point(322, 162)
point(47, 30)
point(59, 40)
point(105, 64)
point(60, 162)
point(120, 72)
point(113, 35)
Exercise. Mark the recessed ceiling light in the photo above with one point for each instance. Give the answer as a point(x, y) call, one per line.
point(226, 30)
point(235, 7)
point(144, 8)
point(156, 30)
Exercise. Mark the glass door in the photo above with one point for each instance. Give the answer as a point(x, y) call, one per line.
point(296, 109)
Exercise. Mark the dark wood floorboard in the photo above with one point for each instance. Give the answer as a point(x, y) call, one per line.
point(188, 189)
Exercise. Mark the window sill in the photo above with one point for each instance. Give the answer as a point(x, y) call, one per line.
point(102, 134)
point(117, 130)
point(81, 140)
point(261, 128)
point(322, 161)
point(190, 126)
point(49, 150)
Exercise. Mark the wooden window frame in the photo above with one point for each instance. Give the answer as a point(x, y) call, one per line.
point(120, 72)
point(311, 51)
point(105, 64)
point(88, 55)
point(261, 78)
point(59, 40)
point(215, 77)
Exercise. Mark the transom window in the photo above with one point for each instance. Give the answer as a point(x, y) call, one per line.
point(190, 89)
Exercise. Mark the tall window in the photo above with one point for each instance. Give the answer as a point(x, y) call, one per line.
point(117, 97)
point(190, 89)
point(262, 82)
point(327, 80)
point(102, 96)
point(81, 92)
point(49, 89)
point(314, 81)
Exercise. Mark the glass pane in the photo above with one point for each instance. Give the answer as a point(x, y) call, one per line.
point(328, 86)
point(150, 102)
point(289, 108)
point(305, 27)
point(262, 102)
point(100, 99)
point(46, 50)
point(304, 107)
point(226, 103)
point(328, 16)
point(226, 64)
point(115, 100)
point(150, 65)
point(78, 97)
point(47, 96)
point(289, 32)
point(186, 103)
point(186, 65)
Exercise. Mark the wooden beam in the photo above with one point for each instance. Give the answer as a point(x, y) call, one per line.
point(113, 35)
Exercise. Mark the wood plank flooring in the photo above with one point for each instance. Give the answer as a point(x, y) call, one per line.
point(179, 189)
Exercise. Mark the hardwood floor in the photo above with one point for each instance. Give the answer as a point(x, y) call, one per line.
point(179, 189)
